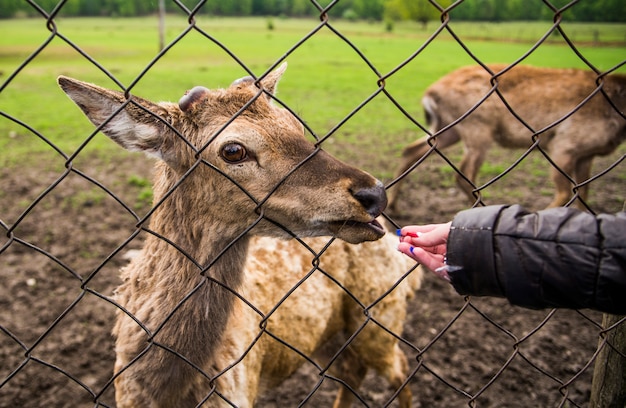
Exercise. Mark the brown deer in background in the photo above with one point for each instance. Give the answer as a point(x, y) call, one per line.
point(228, 195)
point(539, 96)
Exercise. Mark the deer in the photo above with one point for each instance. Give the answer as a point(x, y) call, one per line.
point(260, 249)
point(540, 97)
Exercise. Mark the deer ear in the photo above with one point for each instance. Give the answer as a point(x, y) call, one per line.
point(134, 127)
point(270, 82)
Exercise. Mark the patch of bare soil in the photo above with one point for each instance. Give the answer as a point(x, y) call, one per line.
point(61, 249)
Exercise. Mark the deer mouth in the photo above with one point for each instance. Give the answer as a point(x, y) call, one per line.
point(356, 232)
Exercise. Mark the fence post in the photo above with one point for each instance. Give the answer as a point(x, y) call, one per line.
point(608, 387)
point(161, 25)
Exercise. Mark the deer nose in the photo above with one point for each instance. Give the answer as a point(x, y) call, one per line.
point(373, 199)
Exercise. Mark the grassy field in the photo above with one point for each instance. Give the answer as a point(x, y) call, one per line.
point(325, 82)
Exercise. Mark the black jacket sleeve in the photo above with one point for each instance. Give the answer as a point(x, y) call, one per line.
point(560, 257)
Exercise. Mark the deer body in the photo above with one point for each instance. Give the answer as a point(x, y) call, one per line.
point(541, 97)
point(314, 313)
point(236, 176)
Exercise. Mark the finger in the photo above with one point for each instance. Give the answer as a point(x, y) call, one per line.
point(429, 260)
point(423, 241)
point(405, 248)
point(431, 239)
point(415, 230)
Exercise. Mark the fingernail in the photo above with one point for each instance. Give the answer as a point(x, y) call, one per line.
point(411, 249)
point(399, 232)
point(414, 234)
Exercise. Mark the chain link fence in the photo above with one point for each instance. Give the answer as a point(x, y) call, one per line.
point(70, 221)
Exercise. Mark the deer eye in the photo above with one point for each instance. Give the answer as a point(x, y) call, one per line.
point(234, 153)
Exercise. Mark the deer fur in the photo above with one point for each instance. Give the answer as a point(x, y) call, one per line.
point(315, 312)
point(541, 97)
point(234, 179)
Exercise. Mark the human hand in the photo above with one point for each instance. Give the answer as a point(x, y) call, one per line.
point(427, 244)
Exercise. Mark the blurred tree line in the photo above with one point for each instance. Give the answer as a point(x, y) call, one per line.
point(418, 10)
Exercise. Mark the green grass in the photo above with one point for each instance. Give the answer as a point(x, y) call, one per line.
point(325, 82)
point(144, 195)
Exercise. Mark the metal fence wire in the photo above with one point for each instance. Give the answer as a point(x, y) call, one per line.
point(69, 226)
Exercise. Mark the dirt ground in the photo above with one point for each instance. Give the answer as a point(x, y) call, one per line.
point(60, 263)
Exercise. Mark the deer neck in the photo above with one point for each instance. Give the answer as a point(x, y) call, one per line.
point(180, 287)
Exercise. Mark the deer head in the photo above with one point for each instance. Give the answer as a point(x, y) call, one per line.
point(233, 156)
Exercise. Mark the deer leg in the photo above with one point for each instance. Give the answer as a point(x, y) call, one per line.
point(411, 154)
point(396, 375)
point(470, 164)
point(582, 173)
point(563, 189)
point(353, 371)
point(380, 351)
point(563, 185)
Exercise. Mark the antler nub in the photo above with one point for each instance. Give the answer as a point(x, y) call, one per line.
point(192, 97)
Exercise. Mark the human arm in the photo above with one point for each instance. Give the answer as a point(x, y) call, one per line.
point(559, 257)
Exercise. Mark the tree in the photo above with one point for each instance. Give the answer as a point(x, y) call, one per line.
point(369, 9)
point(264, 7)
point(301, 8)
point(421, 11)
point(8, 8)
point(417, 10)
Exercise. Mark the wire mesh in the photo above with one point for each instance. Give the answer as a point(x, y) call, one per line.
point(69, 226)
